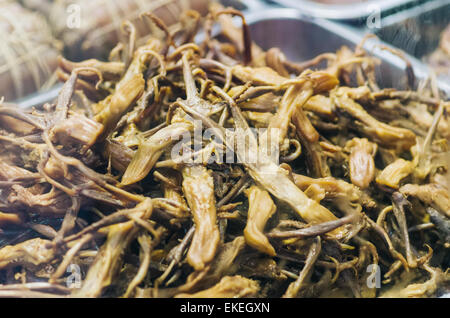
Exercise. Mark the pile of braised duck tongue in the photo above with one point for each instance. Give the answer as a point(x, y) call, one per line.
point(218, 169)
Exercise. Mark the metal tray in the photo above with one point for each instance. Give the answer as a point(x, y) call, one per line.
point(346, 11)
point(416, 30)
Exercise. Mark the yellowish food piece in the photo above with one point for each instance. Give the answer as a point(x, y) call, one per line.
point(379, 132)
point(431, 194)
point(172, 191)
point(151, 149)
point(9, 218)
point(395, 172)
point(198, 188)
point(109, 258)
point(261, 208)
point(258, 75)
point(141, 170)
point(259, 120)
point(79, 129)
point(121, 101)
point(320, 104)
point(361, 163)
point(274, 179)
point(228, 287)
point(33, 252)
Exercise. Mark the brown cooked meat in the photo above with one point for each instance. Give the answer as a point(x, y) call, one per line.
point(219, 169)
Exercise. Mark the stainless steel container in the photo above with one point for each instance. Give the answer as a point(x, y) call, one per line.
point(416, 30)
point(345, 11)
point(301, 38)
